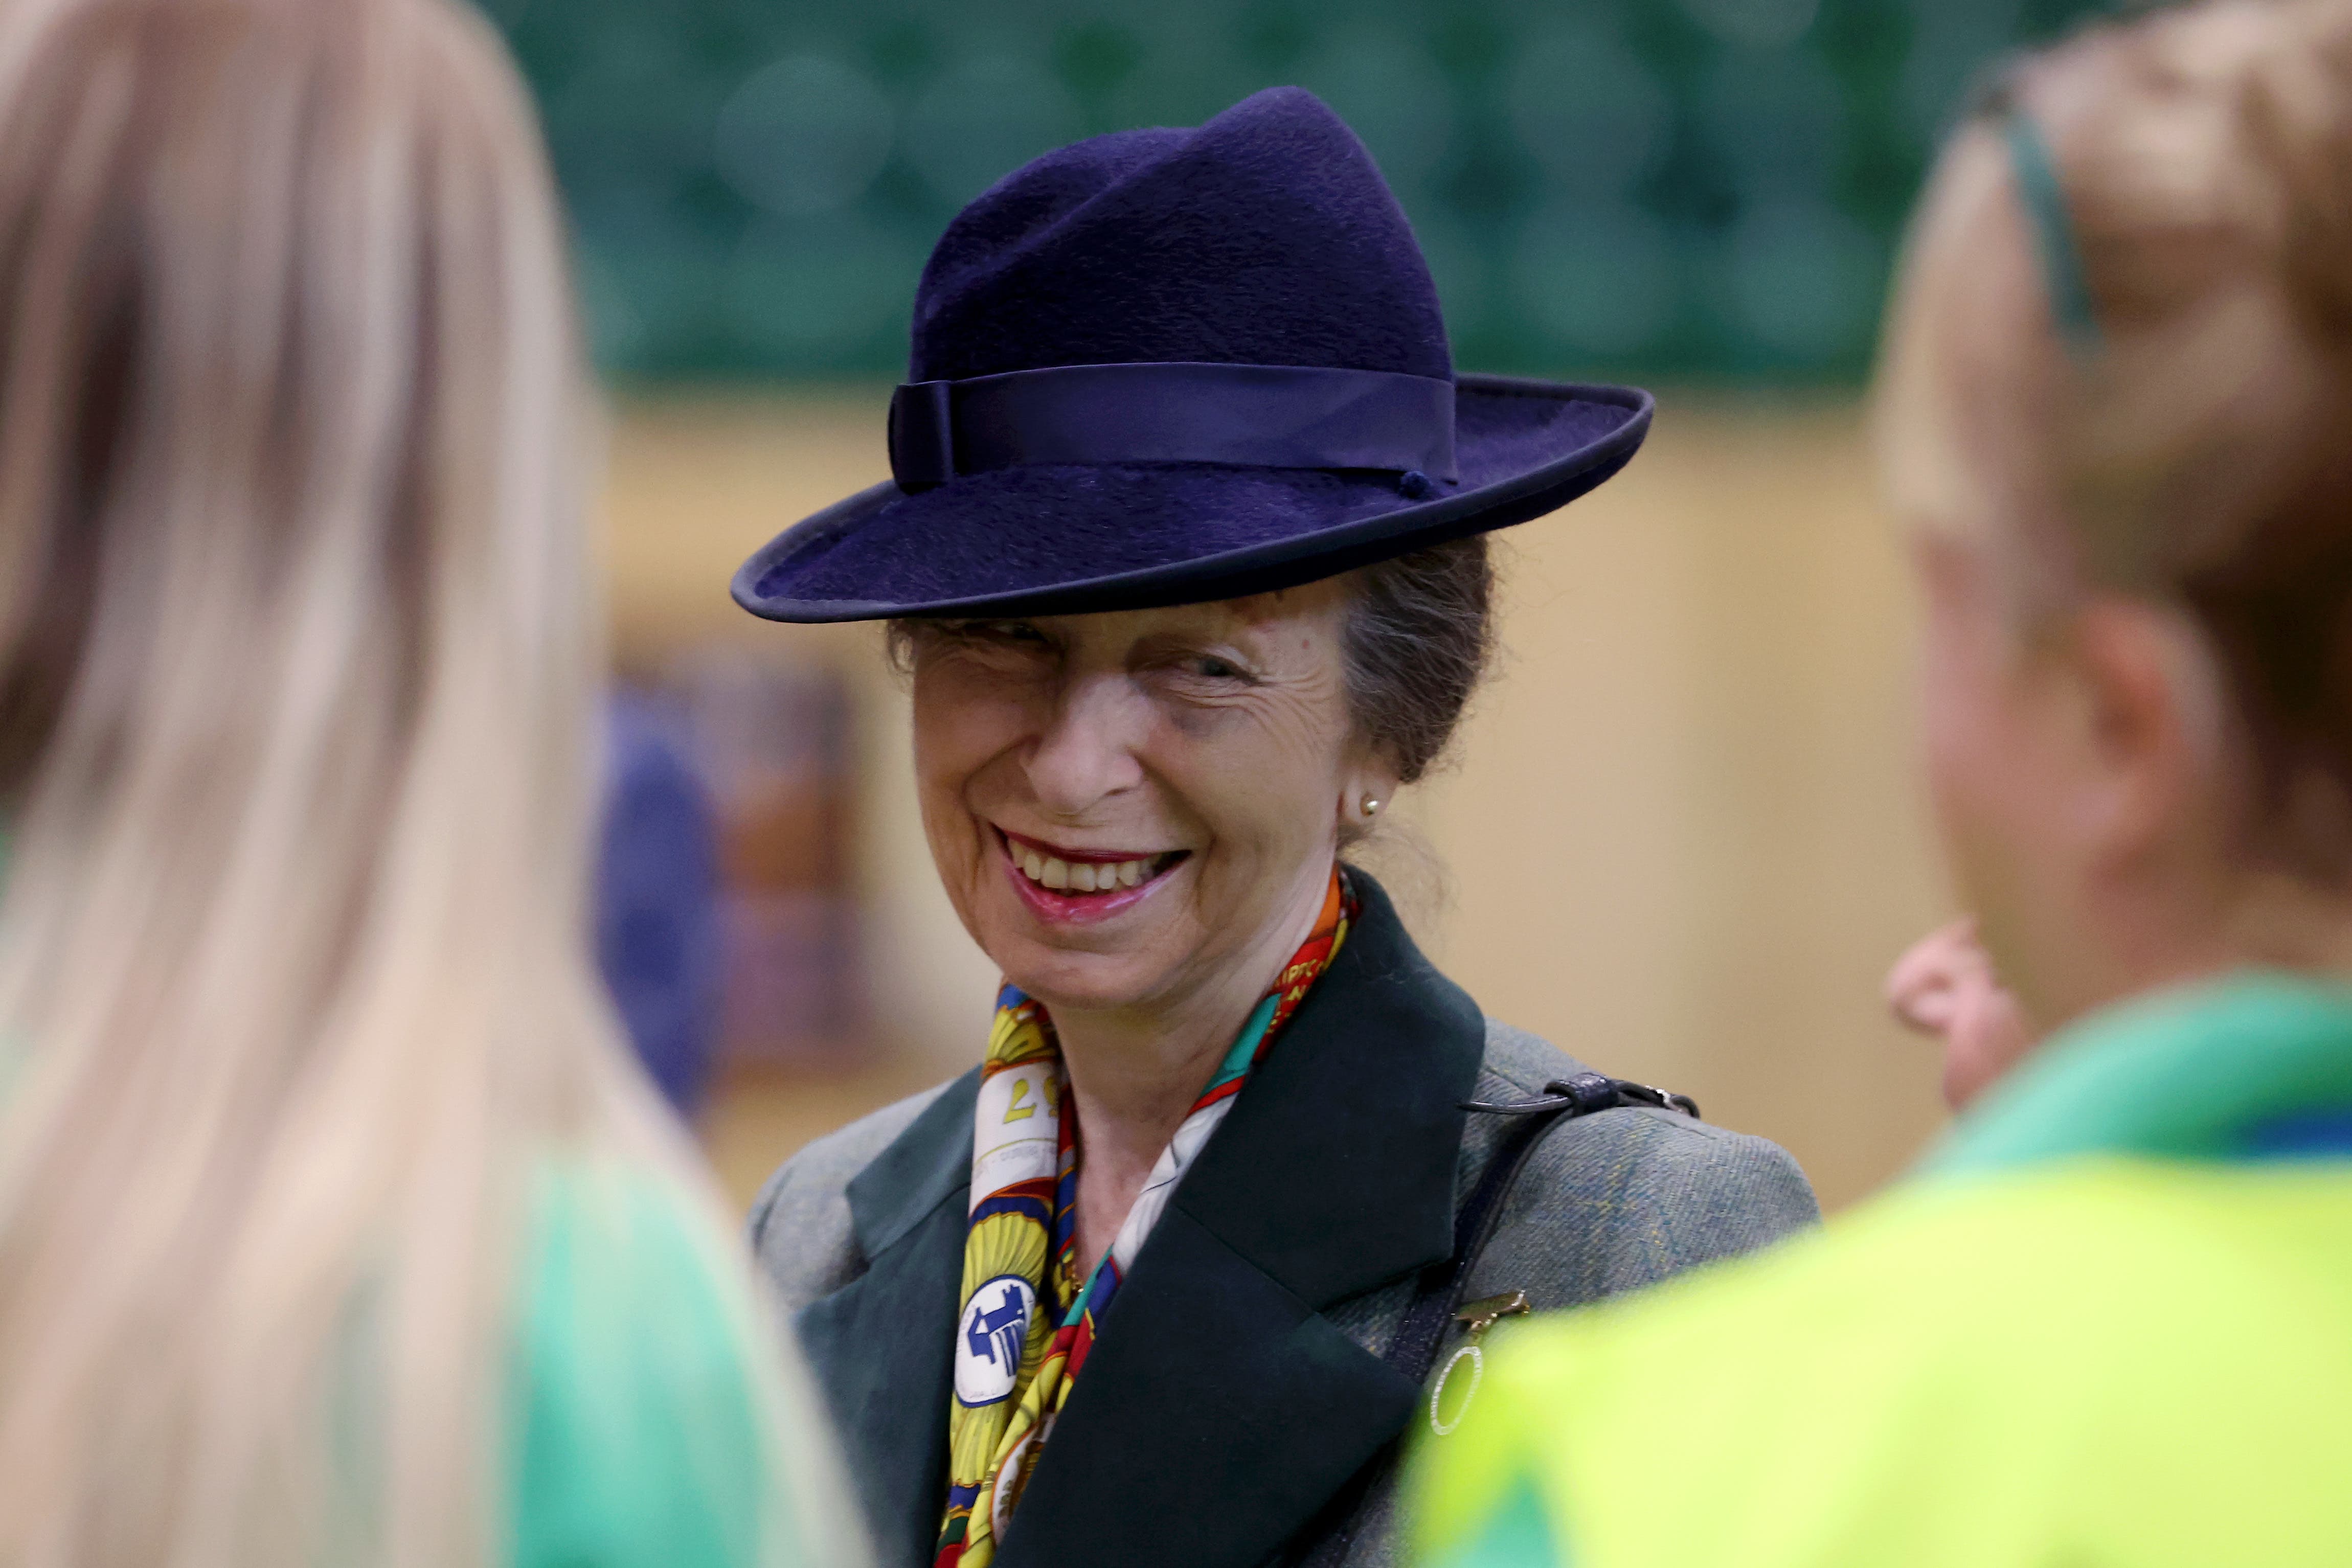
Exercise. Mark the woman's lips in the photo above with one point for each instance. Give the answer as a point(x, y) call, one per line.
point(1063, 885)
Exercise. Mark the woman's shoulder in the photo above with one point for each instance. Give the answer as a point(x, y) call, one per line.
point(638, 1434)
point(1616, 1200)
point(611, 1243)
point(1896, 1332)
point(800, 1224)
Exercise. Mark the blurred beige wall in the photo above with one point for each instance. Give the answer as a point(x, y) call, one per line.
point(1681, 836)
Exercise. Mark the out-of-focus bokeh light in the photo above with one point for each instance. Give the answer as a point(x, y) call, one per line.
point(1665, 188)
point(1681, 835)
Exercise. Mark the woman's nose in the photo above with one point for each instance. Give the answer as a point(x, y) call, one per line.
point(1087, 750)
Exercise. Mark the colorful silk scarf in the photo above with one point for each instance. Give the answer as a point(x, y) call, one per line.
point(1014, 1365)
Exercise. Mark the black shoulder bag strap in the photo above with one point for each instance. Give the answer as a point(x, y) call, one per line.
point(1413, 1350)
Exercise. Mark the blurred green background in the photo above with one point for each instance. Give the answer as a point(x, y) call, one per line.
point(1681, 836)
point(1684, 189)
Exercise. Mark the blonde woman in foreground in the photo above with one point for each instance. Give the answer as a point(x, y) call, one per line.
point(335, 1226)
point(2111, 1321)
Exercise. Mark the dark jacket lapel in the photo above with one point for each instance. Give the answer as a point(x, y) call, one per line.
point(1218, 1411)
point(881, 1346)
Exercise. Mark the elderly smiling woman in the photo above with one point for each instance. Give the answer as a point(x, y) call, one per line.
point(1185, 554)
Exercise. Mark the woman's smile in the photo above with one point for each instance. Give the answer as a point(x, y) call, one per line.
point(1140, 807)
point(1064, 885)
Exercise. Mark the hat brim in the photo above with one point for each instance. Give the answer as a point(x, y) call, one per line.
point(1072, 540)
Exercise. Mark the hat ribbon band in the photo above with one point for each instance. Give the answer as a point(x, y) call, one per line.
point(1254, 416)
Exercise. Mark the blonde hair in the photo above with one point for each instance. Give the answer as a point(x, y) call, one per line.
point(295, 635)
point(2198, 451)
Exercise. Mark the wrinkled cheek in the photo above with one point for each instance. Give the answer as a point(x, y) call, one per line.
point(943, 785)
point(955, 856)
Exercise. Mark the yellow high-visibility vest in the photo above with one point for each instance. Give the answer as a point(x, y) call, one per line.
point(2110, 1324)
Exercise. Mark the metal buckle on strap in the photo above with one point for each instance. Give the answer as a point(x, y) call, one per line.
point(1587, 1092)
point(1487, 1311)
point(1664, 1100)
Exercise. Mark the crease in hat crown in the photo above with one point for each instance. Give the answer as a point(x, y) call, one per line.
point(1264, 237)
point(1163, 364)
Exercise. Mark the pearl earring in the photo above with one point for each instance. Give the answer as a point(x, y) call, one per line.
point(1371, 806)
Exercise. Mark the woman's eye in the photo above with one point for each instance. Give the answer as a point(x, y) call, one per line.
point(1208, 666)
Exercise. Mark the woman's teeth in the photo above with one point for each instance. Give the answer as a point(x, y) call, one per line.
point(1063, 876)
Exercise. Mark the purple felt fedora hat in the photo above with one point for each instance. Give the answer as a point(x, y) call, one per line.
point(1165, 366)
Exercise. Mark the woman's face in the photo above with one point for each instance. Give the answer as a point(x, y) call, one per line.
point(2086, 814)
point(1996, 769)
point(1126, 807)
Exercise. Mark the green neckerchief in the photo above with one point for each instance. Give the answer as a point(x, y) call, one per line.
point(2183, 1074)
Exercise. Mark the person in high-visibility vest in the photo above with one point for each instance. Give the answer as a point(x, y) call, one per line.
point(2109, 1320)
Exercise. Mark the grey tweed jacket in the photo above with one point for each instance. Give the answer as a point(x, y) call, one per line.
point(1236, 1389)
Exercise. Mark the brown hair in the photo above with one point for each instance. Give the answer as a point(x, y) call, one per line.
point(1419, 637)
point(2200, 451)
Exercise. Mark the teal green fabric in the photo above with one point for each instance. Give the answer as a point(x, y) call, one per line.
point(2183, 1074)
point(634, 1441)
point(1517, 1534)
